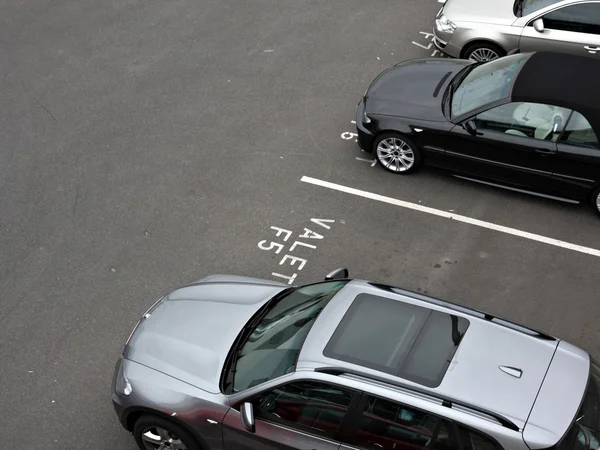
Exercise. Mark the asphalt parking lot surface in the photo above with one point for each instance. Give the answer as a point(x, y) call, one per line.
point(146, 144)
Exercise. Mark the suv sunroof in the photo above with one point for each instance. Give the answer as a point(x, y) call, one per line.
point(404, 340)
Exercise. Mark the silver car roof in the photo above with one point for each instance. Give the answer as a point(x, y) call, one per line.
point(497, 367)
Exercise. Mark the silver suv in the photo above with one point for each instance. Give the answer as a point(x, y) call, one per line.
point(240, 363)
point(482, 30)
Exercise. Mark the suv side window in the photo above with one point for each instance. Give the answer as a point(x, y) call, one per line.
point(580, 18)
point(387, 425)
point(579, 132)
point(314, 407)
point(473, 440)
point(531, 120)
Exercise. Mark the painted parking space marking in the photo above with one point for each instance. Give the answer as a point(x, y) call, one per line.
point(306, 240)
point(452, 216)
point(348, 136)
point(427, 44)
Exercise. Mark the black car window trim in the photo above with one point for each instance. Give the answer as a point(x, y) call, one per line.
point(501, 101)
point(472, 114)
point(529, 138)
point(566, 142)
point(345, 426)
point(453, 85)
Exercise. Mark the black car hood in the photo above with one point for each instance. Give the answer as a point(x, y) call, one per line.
point(407, 89)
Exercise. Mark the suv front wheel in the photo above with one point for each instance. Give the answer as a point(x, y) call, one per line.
point(153, 433)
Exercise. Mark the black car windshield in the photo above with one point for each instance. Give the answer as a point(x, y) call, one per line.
point(486, 83)
point(526, 7)
point(271, 347)
point(585, 432)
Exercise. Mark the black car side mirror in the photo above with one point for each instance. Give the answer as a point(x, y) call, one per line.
point(471, 127)
point(247, 413)
point(337, 274)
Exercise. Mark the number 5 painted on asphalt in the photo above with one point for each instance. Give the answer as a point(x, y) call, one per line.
point(347, 135)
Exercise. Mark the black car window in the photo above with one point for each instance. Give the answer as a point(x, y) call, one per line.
point(580, 18)
point(314, 407)
point(473, 440)
point(398, 338)
point(579, 132)
point(531, 120)
point(388, 425)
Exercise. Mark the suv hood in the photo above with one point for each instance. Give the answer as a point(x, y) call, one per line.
point(499, 12)
point(188, 333)
point(407, 89)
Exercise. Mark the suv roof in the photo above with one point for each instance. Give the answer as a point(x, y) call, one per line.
point(495, 366)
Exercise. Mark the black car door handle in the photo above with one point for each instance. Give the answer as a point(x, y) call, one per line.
point(545, 151)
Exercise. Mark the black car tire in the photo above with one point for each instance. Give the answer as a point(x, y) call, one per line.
point(149, 421)
point(595, 200)
point(483, 46)
point(413, 147)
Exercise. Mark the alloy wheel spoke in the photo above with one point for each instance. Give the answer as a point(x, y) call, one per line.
point(164, 434)
point(152, 438)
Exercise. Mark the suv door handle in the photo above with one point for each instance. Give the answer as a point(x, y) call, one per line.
point(589, 48)
point(544, 151)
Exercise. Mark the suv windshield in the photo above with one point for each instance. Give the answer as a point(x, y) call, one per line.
point(270, 345)
point(486, 83)
point(585, 432)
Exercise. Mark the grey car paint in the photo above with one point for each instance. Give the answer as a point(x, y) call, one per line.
point(493, 21)
point(174, 371)
point(189, 351)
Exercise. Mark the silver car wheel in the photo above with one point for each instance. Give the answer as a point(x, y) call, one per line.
point(157, 438)
point(395, 154)
point(483, 55)
point(598, 201)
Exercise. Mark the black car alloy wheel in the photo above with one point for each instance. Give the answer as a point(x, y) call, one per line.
point(156, 433)
point(596, 200)
point(397, 153)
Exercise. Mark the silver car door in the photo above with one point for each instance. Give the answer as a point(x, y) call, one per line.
point(571, 29)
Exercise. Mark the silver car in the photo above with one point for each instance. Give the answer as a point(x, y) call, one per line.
point(358, 365)
point(482, 30)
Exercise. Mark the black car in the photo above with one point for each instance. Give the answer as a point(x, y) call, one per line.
point(527, 122)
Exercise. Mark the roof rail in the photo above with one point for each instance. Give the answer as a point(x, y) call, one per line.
point(446, 401)
point(465, 310)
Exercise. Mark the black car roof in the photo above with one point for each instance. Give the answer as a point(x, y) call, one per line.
point(559, 79)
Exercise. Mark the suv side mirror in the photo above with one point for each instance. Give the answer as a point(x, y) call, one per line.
point(337, 274)
point(470, 127)
point(247, 412)
point(538, 25)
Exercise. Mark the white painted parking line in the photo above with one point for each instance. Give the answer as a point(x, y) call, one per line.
point(452, 216)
